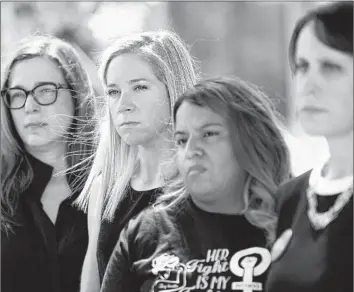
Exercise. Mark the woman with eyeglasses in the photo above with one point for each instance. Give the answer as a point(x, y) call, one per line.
point(45, 154)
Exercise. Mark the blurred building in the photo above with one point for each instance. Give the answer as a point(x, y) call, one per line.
point(248, 39)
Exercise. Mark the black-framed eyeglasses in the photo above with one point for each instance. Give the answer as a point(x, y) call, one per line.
point(43, 94)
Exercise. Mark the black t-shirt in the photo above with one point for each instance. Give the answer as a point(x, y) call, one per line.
point(40, 256)
point(315, 260)
point(188, 250)
point(131, 205)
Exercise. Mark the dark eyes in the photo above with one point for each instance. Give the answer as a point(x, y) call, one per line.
point(325, 67)
point(330, 67)
point(113, 92)
point(183, 140)
point(140, 87)
point(117, 93)
point(301, 67)
point(210, 134)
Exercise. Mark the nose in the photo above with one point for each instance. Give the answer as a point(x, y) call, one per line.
point(31, 105)
point(194, 148)
point(310, 82)
point(125, 103)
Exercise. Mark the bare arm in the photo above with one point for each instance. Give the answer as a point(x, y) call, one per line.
point(90, 281)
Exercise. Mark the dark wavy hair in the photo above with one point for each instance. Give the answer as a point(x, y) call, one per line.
point(332, 25)
point(257, 140)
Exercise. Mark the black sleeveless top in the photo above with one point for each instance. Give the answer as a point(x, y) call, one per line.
point(130, 206)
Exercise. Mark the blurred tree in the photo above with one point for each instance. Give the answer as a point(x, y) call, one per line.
point(67, 20)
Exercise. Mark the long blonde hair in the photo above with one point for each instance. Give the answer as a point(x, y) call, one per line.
point(115, 160)
point(258, 144)
point(16, 171)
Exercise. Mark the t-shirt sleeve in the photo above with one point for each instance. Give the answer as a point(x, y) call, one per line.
point(119, 275)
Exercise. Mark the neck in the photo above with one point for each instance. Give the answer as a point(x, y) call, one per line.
point(229, 201)
point(53, 155)
point(153, 164)
point(340, 163)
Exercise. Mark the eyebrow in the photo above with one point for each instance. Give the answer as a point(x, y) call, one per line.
point(138, 80)
point(132, 81)
point(200, 128)
point(38, 84)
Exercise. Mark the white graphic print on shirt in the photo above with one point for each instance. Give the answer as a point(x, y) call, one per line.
point(216, 273)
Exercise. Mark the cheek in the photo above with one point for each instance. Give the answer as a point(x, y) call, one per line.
point(17, 116)
point(180, 162)
point(64, 105)
point(157, 106)
point(112, 105)
point(340, 100)
point(225, 163)
point(60, 114)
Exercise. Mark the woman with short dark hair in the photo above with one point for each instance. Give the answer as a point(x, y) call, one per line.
point(316, 208)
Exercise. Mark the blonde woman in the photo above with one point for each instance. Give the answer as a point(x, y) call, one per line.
point(143, 74)
point(46, 99)
point(213, 231)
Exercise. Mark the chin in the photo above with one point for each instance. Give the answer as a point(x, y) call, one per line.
point(134, 139)
point(36, 143)
point(200, 192)
point(316, 129)
point(325, 130)
point(33, 141)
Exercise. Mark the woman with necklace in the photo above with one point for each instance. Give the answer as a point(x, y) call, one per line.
point(316, 210)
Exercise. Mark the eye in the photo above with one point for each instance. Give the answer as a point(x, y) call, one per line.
point(113, 93)
point(328, 67)
point(16, 94)
point(181, 141)
point(46, 89)
point(301, 67)
point(211, 134)
point(140, 87)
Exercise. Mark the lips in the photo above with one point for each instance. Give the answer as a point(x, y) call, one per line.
point(129, 123)
point(313, 109)
point(196, 169)
point(35, 124)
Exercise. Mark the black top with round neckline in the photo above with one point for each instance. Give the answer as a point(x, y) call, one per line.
point(315, 260)
point(130, 206)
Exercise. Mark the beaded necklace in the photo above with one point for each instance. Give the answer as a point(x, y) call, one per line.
point(345, 186)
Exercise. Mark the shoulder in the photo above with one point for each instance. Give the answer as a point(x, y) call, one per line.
point(291, 190)
point(141, 229)
point(149, 229)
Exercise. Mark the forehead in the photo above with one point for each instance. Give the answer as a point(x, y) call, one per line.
point(127, 67)
point(27, 73)
point(309, 46)
point(194, 116)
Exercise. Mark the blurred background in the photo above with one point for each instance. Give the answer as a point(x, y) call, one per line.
point(248, 39)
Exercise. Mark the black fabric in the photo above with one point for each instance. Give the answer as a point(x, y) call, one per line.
point(315, 260)
point(186, 250)
point(131, 205)
point(40, 256)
